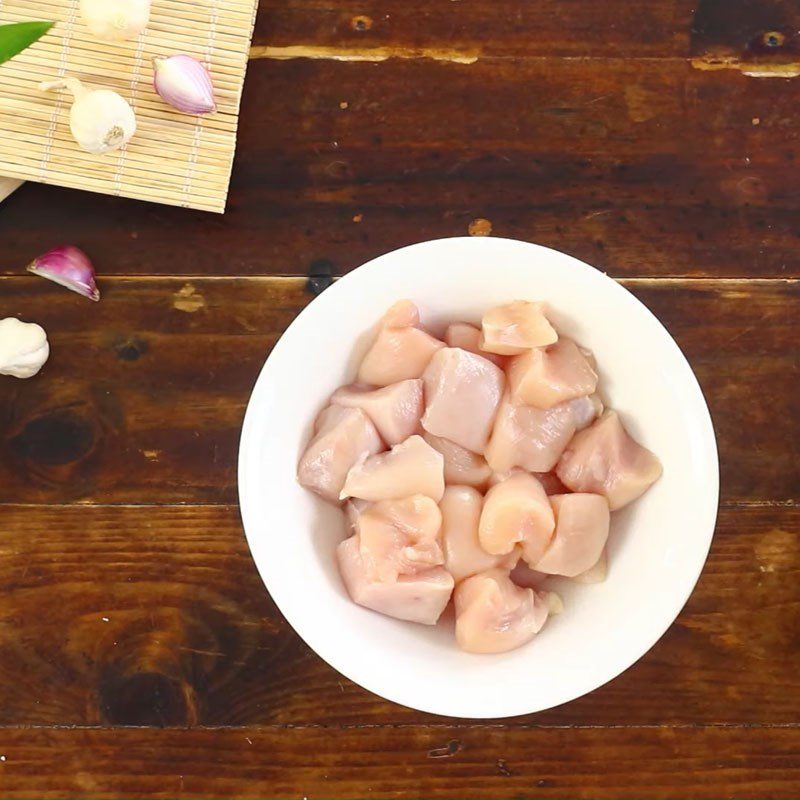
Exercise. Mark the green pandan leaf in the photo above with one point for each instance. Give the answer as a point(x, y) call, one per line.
point(16, 37)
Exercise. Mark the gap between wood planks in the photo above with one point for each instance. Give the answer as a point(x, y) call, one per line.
point(422, 726)
point(671, 280)
point(472, 55)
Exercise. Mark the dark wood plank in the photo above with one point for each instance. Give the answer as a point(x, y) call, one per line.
point(643, 169)
point(405, 763)
point(477, 28)
point(156, 616)
point(124, 413)
point(759, 37)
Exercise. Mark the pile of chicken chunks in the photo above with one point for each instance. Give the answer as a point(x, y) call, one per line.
point(471, 469)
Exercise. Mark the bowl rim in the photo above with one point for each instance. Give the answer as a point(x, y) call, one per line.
point(247, 447)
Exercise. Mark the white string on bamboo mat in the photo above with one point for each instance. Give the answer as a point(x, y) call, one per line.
point(72, 15)
point(134, 85)
point(198, 128)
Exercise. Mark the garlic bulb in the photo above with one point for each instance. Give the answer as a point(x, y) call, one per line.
point(100, 120)
point(23, 348)
point(116, 20)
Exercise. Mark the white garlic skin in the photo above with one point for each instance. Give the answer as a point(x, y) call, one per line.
point(23, 348)
point(116, 20)
point(101, 121)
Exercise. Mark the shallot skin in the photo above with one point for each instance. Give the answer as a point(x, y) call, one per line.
point(184, 83)
point(70, 267)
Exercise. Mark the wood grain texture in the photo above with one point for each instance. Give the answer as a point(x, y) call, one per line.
point(403, 763)
point(156, 616)
point(144, 394)
point(642, 169)
point(483, 28)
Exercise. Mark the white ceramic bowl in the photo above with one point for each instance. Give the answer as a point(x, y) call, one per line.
point(657, 546)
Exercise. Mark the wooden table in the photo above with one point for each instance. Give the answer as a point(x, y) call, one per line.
point(139, 653)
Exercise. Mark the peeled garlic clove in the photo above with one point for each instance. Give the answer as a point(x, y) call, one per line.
point(23, 348)
point(100, 120)
point(184, 83)
point(116, 20)
point(69, 267)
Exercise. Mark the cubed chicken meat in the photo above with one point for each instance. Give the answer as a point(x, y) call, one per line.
point(581, 533)
point(394, 410)
point(462, 394)
point(400, 537)
point(604, 459)
point(401, 350)
point(515, 328)
point(596, 573)
point(585, 410)
point(545, 377)
point(517, 512)
point(468, 337)
point(549, 480)
point(343, 437)
point(419, 597)
point(463, 555)
point(589, 356)
point(411, 467)
point(461, 466)
point(352, 510)
point(529, 437)
point(494, 615)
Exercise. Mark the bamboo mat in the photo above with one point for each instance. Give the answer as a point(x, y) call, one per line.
point(174, 158)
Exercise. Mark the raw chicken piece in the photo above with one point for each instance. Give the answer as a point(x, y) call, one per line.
point(352, 510)
point(499, 477)
point(420, 597)
point(517, 511)
point(604, 459)
point(468, 337)
point(529, 437)
point(589, 356)
point(343, 436)
point(515, 328)
point(493, 615)
point(463, 554)
point(526, 577)
point(461, 466)
point(462, 393)
point(581, 532)
point(549, 480)
point(597, 573)
point(401, 350)
point(411, 467)
point(394, 410)
point(548, 376)
point(585, 410)
point(400, 537)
